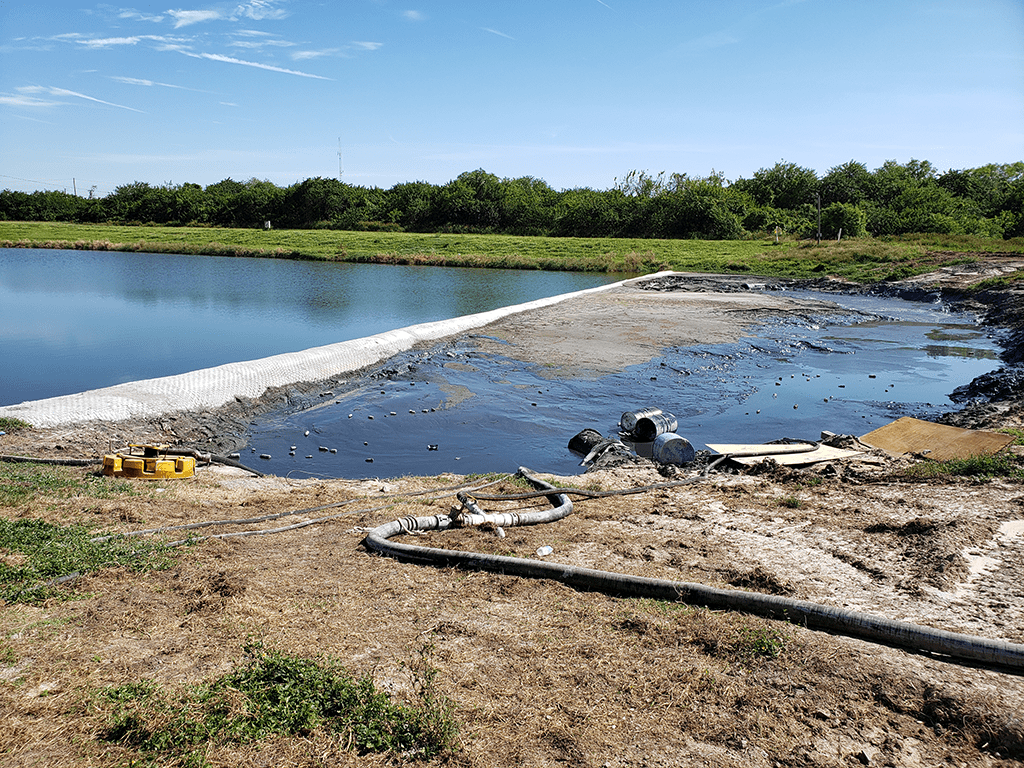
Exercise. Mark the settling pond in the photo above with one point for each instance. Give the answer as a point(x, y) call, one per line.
point(76, 320)
point(71, 321)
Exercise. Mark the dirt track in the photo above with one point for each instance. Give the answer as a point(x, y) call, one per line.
point(542, 674)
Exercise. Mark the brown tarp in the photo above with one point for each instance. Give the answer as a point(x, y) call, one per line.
point(935, 441)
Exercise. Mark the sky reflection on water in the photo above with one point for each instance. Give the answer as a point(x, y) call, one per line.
point(72, 321)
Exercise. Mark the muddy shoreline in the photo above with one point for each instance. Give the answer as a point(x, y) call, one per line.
point(993, 400)
point(989, 400)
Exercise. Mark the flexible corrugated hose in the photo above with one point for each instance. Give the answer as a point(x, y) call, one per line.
point(865, 626)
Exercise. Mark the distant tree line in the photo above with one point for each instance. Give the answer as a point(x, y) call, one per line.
point(891, 200)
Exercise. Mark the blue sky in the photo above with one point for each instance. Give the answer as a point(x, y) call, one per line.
point(575, 92)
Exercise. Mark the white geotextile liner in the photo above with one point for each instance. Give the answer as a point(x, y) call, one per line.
point(212, 388)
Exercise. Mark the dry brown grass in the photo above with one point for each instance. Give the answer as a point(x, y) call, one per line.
point(541, 674)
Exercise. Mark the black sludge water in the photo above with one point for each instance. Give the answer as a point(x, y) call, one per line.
point(456, 409)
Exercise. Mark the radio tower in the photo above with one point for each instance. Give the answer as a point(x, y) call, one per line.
point(341, 170)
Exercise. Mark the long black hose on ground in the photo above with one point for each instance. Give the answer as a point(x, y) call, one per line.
point(58, 462)
point(876, 629)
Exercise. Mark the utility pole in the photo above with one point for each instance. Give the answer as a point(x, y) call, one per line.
point(341, 169)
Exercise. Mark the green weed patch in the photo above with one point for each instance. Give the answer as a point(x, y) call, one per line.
point(35, 556)
point(980, 467)
point(277, 694)
point(21, 482)
point(9, 424)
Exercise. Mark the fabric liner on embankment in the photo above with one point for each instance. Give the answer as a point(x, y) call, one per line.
point(212, 388)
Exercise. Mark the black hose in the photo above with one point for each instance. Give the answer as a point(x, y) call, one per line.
point(227, 461)
point(900, 634)
point(58, 462)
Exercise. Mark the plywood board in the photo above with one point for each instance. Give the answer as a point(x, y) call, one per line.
point(935, 441)
point(780, 453)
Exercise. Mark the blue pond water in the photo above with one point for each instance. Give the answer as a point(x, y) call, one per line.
point(456, 409)
point(72, 321)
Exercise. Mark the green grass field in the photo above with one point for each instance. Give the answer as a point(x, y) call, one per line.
point(864, 260)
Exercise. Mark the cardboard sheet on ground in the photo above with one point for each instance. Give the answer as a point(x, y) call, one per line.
point(782, 453)
point(935, 441)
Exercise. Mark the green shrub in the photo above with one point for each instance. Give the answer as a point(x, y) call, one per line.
point(8, 424)
point(850, 219)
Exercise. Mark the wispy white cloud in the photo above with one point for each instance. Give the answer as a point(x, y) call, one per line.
point(255, 44)
point(413, 16)
point(108, 42)
point(151, 83)
point(96, 42)
point(496, 32)
point(345, 51)
point(309, 55)
point(602, 2)
point(30, 90)
point(138, 16)
point(259, 10)
point(244, 63)
point(186, 18)
point(137, 81)
point(25, 100)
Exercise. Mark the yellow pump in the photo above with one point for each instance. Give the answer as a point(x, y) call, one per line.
point(148, 462)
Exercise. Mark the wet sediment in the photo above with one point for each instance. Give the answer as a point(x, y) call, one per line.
point(987, 400)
